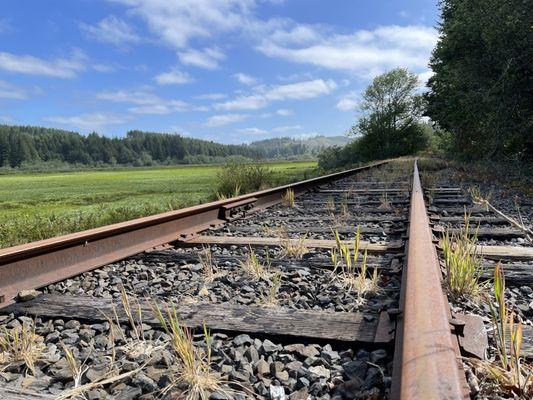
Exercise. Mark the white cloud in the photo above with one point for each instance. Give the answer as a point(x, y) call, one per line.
point(207, 58)
point(212, 96)
point(111, 30)
point(348, 102)
point(92, 121)
point(264, 95)
point(224, 119)
point(145, 102)
point(173, 77)
point(245, 79)
point(364, 52)
point(284, 112)
point(287, 128)
point(424, 76)
point(60, 68)
point(176, 22)
point(9, 91)
point(253, 131)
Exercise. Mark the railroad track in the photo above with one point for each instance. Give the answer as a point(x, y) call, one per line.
point(271, 280)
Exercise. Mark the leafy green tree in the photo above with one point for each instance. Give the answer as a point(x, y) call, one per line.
point(390, 117)
point(482, 89)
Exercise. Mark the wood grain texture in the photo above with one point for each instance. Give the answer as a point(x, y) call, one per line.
point(323, 325)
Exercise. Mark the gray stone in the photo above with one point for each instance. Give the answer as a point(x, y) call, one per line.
point(269, 347)
point(355, 369)
point(127, 393)
point(73, 324)
point(378, 355)
point(301, 394)
point(320, 371)
point(251, 354)
point(242, 339)
point(277, 393)
point(27, 295)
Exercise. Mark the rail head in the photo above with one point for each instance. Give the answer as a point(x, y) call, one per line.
point(428, 364)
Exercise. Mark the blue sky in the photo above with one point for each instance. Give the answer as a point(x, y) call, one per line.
point(226, 70)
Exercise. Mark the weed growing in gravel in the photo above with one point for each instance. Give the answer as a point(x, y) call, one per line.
point(209, 265)
point(510, 373)
point(384, 202)
point(253, 266)
point(288, 198)
point(136, 345)
point(194, 366)
point(21, 344)
point(330, 204)
point(77, 370)
point(463, 265)
point(293, 248)
point(345, 212)
point(271, 298)
point(353, 274)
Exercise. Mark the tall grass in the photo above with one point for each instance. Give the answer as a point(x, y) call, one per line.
point(463, 265)
point(236, 177)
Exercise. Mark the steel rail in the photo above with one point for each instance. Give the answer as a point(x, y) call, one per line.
point(47, 261)
point(426, 364)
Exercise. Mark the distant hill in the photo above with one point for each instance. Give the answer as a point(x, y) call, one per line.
point(287, 147)
point(27, 146)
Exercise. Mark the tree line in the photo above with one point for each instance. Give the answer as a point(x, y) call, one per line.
point(478, 105)
point(29, 145)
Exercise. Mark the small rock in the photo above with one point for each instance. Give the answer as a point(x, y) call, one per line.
point(320, 371)
point(242, 339)
point(302, 394)
point(277, 393)
point(262, 367)
point(378, 355)
point(269, 347)
point(27, 295)
point(73, 324)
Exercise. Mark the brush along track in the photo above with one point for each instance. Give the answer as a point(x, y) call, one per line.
point(299, 329)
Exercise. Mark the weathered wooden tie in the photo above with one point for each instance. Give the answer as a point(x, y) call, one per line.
point(320, 325)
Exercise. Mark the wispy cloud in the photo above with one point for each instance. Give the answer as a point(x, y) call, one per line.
point(111, 30)
point(348, 102)
point(207, 58)
point(284, 112)
point(212, 96)
point(252, 131)
point(364, 52)
point(145, 102)
point(264, 95)
point(173, 77)
point(91, 121)
point(245, 79)
point(9, 91)
point(59, 68)
point(224, 119)
point(287, 128)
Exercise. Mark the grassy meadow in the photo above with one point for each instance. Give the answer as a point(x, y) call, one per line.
point(38, 206)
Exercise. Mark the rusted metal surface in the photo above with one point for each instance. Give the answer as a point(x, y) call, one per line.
point(47, 261)
point(426, 360)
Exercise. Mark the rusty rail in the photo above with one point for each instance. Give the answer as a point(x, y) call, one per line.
point(47, 261)
point(426, 364)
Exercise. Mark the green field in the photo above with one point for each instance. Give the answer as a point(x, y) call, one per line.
point(37, 206)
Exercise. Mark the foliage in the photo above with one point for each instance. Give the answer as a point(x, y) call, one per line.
point(463, 265)
point(288, 198)
point(253, 266)
point(481, 90)
point(39, 206)
point(389, 124)
point(20, 343)
point(235, 178)
point(391, 111)
point(510, 373)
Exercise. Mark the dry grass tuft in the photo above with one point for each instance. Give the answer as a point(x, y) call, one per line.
point(288, 198)
point(21, 344)
point(209, 265)
point(353, 273)
point(253, 266)
point(194, 363)
point(271, 298)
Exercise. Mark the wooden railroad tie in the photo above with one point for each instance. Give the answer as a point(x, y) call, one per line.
point(225, 317)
